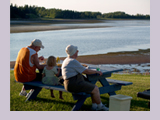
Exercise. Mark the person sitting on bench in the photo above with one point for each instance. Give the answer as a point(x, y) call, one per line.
point(50, 75)
point(26, 64)
point(74, 81)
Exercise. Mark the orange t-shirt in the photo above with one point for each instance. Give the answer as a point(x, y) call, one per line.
point(25, 70)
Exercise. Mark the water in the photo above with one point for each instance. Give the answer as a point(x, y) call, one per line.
point(124, 35)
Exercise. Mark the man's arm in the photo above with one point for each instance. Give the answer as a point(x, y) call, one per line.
point(89, 71)
point(36, 62)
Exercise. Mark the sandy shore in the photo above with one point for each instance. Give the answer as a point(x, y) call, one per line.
point(24, 28)
point(133, 57)
point(33, 26)
point(116, 58)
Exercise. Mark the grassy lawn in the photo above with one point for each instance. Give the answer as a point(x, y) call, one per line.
point(44, 102)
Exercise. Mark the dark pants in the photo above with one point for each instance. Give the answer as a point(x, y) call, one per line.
point(38, 75)
point(38, 78)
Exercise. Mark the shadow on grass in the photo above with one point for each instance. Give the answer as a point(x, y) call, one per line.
point(71, 104)
point(55, 101)
point(138, 103)
point(87, 107)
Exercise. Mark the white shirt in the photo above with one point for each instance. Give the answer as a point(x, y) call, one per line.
point(71, 67)
point(32, 52)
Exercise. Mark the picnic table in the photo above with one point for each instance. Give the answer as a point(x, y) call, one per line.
point(108, 86)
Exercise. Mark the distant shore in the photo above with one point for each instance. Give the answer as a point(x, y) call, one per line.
point(23, 28)
point(33, 26)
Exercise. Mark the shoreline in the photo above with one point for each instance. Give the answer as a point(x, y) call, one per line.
point(34, 26)
point(127, 57)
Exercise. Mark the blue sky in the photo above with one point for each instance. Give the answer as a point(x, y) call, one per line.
point(131, 7)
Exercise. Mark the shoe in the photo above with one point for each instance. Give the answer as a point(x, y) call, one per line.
point(29, 93)
point(23, 93)
point(102, 108)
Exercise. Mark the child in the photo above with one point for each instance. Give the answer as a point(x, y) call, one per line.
point(50, 73)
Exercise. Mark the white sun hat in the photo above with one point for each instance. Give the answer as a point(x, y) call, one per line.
point(71, 50)
point(37, 42)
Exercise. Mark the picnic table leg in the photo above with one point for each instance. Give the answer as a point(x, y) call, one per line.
point(79, 103)
point(33, 93)
point(105, 83)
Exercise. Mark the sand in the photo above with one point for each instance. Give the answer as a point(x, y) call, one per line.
point(132, 57)
point(33, 26)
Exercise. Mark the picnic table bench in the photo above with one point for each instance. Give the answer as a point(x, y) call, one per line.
point(145, 94)
point(108, 86)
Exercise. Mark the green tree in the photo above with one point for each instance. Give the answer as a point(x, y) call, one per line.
point(28, 12)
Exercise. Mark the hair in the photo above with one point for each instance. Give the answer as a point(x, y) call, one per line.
point(51, 61)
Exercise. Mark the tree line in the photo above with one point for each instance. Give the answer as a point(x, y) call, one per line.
point(29, 12)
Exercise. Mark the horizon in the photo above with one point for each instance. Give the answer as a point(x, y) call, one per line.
point(80, 11)
point(102, 6)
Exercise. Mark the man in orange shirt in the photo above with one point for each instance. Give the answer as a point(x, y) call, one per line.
point(27, 62)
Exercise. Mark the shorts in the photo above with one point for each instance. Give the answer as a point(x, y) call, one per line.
point(78, 84)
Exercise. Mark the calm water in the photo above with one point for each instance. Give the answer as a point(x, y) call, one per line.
point(125, 35)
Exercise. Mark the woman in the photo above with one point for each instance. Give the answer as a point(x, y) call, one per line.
point(74, 81)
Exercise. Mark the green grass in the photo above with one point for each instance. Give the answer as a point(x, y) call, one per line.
point(44, 102)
